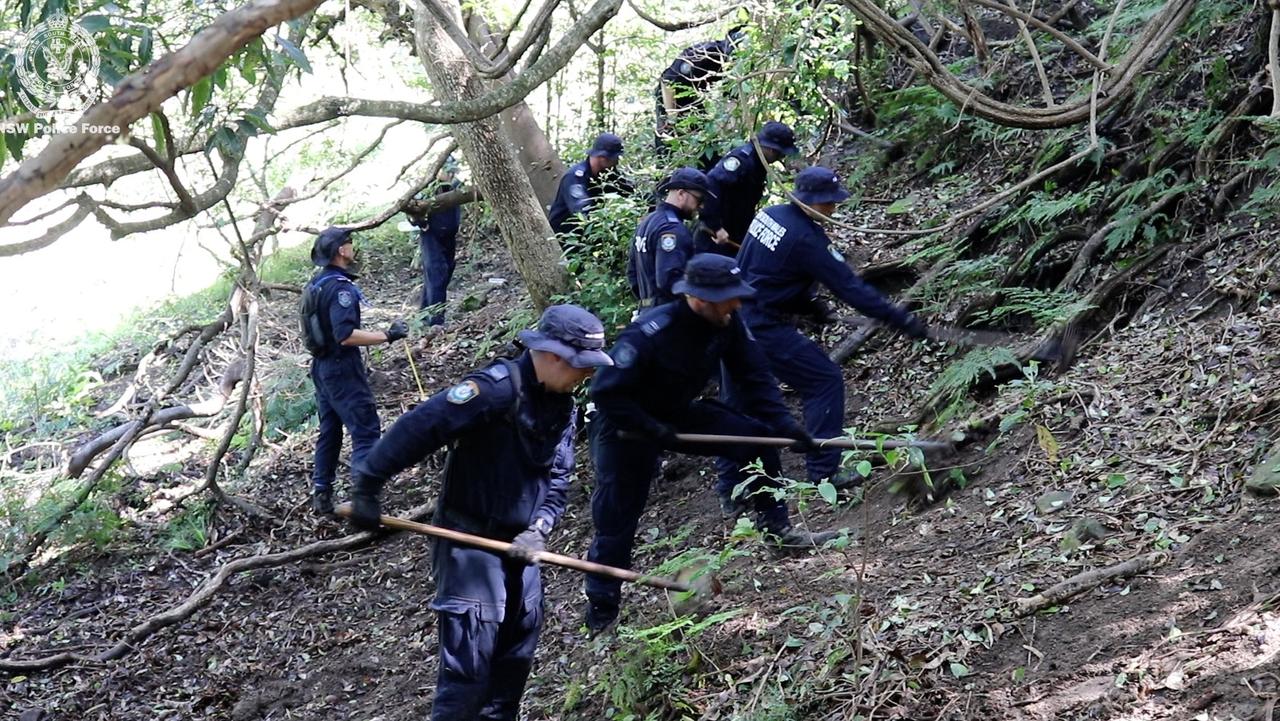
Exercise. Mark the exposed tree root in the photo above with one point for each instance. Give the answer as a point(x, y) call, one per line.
point(1081, 582)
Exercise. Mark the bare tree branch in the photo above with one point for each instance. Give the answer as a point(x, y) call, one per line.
point(140, 94)
point(674, 25)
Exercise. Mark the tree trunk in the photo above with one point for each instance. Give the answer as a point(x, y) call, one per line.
point(499, 174)
point(537, 156)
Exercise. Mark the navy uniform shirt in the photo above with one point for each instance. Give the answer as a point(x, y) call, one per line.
point(696, 68)
point(511, 455)
point(340, 301)
point(577, 188)
point(442, 223)
point(737, 185)
point(663, 362)
point(662, 246)
point(785, 256)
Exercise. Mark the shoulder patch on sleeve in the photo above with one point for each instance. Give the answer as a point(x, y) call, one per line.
point(579, 172)
point(463, 392)
point(345, 299)
point(577, 191)
point(652, 325)
point(624, 355)
point(668, 242)
point(497, 371)
point(685, 67)
point(732, 163)
point(835, 253)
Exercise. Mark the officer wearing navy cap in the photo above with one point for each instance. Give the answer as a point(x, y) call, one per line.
point(662, 363)
point(586, 181)
point(737, 182)
point(786, 255)
point(509, 428)
point(438, 242)
point(330, 323)
point(663, 244)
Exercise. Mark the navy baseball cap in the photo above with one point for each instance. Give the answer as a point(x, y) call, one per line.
point(817, 184)
point(714, 278)
point(570, 332)
point(327, 243)
point(687, 179)
point(607, 145)
point(779, 137)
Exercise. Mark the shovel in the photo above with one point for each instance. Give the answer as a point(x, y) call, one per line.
point(556, 559)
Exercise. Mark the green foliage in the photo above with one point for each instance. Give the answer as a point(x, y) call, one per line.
point(596, 256)
point(954, 381)
point(1046, 206)
point(93, 522)
point(1044, 307)
point(189, 530)
point(290, 399)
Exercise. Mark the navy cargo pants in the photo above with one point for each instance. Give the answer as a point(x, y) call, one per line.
point(625, 468)
point(438, 263)
point(489, 609)
point(343, 398)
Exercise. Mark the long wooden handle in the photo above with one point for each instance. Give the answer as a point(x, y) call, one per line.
point(490, 544)
point(861, 443)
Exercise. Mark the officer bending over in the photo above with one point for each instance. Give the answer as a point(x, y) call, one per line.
point(662, 364)
point(785, 256)
point(330, 319)
point(663, 242)
point(510, 431)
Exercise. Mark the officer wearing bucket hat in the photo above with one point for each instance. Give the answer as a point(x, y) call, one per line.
point(509, 428)
point(329, 316)
point(786, 255)
point(663, 243)
point(737, 183)
point(586, 181)
point(662, 363)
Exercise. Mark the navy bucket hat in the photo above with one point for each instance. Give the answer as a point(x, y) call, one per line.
point(819, 185)
point(570, 332)
point(687, 179)
point(714, 278)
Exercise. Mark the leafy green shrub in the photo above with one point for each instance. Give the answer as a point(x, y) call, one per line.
point(596, 256)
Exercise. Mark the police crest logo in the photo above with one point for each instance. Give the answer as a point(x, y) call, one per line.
point(578, 191)
point(54, 62)
point(344, 298)
point(668, 242)
point(731, 164)
point(624, 355)
point(463, 392)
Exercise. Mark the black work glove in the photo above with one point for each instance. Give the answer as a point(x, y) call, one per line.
point(366, 510)
point(915, 327)
point(804, 442)
point(528, 544)
point(662, 434)
point(822, 312)
point(396, 331)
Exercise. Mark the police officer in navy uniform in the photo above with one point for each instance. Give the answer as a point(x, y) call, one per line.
point(663, 243)
point(586, 181)
point(662, 363)
point(683, 85)
point(509, 428)
point(786, 256)
point(737, 185)
point(331, 326)
point(438, 241)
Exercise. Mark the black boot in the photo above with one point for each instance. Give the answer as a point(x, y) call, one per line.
point(600, 617)
point(322, 501)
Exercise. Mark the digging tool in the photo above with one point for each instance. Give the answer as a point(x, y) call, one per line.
point(851, 443)
point(490, 544)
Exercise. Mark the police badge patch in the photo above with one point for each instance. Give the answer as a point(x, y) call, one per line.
point(731, 163)
point(685, 67)
point(577, 191)
point(344, 298)
point(668, 241)
point(463, 392)
point(624, 355)
point(836, 254)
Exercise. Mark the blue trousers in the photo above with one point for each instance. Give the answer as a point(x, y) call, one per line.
point(438, 262)
point(625, 468)
point(802, 364)
point(489, 610)
point(343, 398)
